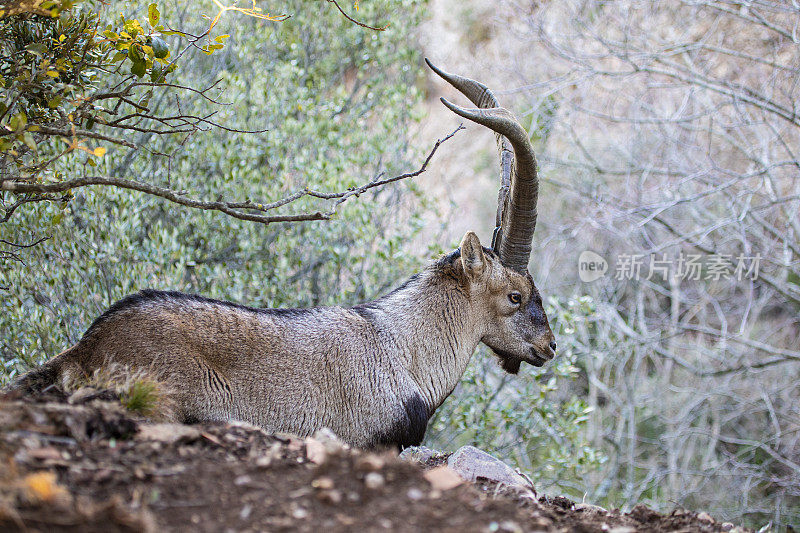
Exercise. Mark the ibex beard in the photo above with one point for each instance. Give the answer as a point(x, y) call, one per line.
point(374, 373)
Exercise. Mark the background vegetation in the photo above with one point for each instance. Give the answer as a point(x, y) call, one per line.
point(663, 129)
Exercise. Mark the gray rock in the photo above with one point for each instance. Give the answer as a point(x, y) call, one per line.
point(473, 464)
point(168, 433)
point(588, 507)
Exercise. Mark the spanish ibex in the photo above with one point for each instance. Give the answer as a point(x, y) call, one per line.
point(373, 373)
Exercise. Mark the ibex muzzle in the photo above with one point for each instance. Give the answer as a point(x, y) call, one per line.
point(373, 373)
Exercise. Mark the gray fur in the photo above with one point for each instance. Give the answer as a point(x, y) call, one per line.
point(373, 373)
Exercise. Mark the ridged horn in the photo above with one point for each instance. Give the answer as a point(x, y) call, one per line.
point(516, 212)
point(482, 96)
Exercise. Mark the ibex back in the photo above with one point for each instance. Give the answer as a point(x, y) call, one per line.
point(374, 373)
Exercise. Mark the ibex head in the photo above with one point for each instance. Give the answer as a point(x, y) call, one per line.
point(519, 330)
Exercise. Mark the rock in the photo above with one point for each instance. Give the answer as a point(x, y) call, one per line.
point(705, 517)
point(330, 497)
point(415, 494)
point(369, 463)
point(418, 454)
point(726, 526)
point(316, 451)
point(622, 529)
point(168, 433)
point(329, 439)
point(443, 478)
point(373, 480)
point(473, 464)
point(322, 483)
point(509, 526)
point(588, 507)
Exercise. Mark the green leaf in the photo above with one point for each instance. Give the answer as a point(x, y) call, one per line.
point(153, 15)
point(138, 67)
point(111, 35)
point(38, 49)
point(135, 53)
point(160, 48)
point(156, 71)
point(27, 138)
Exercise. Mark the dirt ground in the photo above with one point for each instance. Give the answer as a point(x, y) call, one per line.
point(90, 465)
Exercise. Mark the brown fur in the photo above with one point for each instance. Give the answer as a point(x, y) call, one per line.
point(373, 373)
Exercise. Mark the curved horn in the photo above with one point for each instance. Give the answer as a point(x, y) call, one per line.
point(516, 213)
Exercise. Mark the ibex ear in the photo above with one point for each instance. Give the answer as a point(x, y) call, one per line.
point(472, 256)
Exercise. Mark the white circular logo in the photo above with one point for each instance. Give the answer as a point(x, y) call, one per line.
point(591, 266)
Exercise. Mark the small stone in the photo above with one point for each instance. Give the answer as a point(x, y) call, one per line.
point(302, 492)
point(726, 526)
point(299, 513)
point(622, 529)
point(47, 453)
point(168, 433)
point(244, 514)
point(315, 451)
point(322, 483)
point(509, 526)
point(369, 463)
point(443, 478)
point(385, 523)
point(329, 439)
point(373, 480)
point(589, 508)
point(415, 494)
point(435, 494)
point(704, 517)
point(242, 480)
point(331, 497)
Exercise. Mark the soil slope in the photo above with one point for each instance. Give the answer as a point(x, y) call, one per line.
point(90, 465)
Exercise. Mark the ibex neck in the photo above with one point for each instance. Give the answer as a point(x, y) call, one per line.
point(435, 332)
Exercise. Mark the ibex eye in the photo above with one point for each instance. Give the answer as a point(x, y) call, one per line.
point(515, 298)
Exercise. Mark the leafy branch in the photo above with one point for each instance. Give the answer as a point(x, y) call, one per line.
point(246, 210)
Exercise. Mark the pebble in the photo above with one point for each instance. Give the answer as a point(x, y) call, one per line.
point(415, 494)
point(242, 480)
point(316, 451)
point(443, 478)
point(509, 526)
point(726, 526)
point(322, 483)
point(331, 497)
point(590, 508)
point(373, 480)
point(704, 517)
point(369, 463)
point(299, 513)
